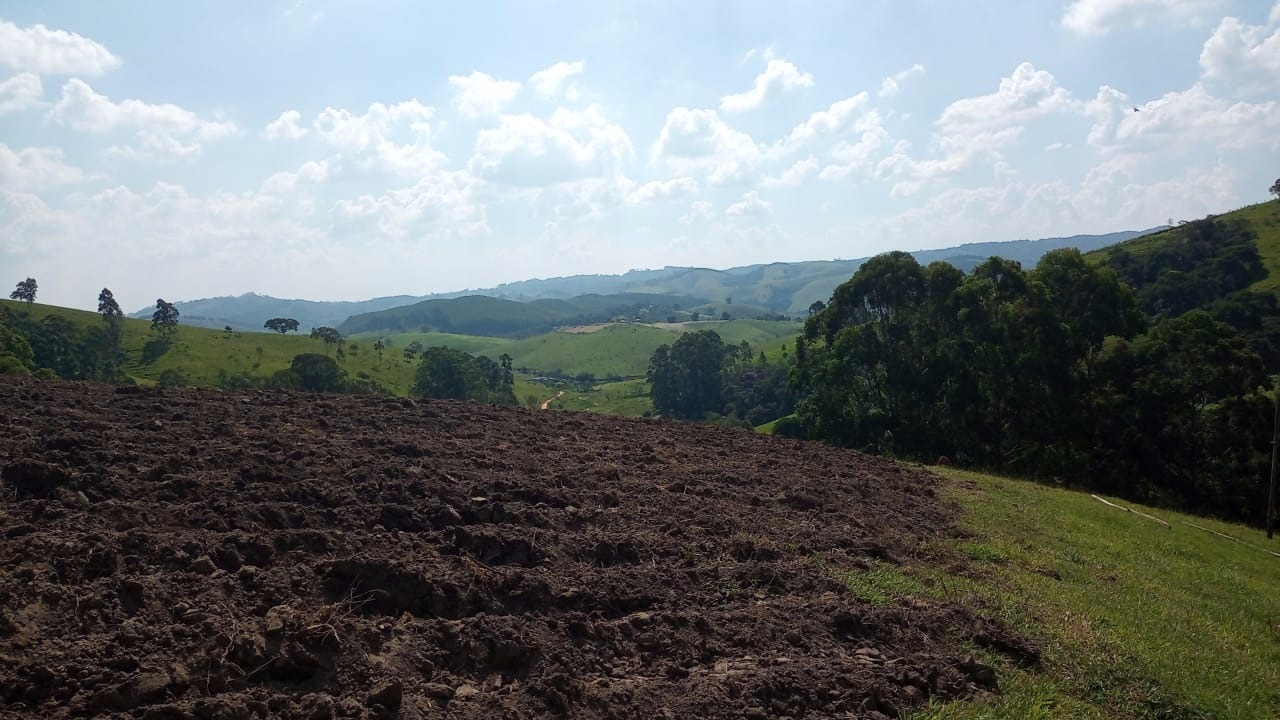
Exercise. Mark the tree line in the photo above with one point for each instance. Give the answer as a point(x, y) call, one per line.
point(1154, 389)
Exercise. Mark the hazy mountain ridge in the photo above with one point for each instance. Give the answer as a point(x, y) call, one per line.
point(783, 287)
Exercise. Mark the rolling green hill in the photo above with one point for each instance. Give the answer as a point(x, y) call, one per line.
point(498, 317)
point(202, 353)
point(1262, 218)
point(249, 311)
point(624, 349)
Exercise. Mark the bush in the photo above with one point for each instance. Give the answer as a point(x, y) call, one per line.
point(173, 377)
point(45, 374)
point(10, 365)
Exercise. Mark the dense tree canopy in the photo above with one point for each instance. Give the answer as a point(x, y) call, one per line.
point(450, 374)
point(281, 325)
point(1051, 373)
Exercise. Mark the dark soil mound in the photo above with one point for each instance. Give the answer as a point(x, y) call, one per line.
point(196, 554)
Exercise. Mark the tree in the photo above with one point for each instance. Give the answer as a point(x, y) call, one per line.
point(378, 347)
point(327, 335)
point(450, 374)
point(1275, 188)
point(316, 372)
point(281, 325)
point(165, 319)
point(686, 379)
point(108, 307)
point(817, 307)
point(26, 291)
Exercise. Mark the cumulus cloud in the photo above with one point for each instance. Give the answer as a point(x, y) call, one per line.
point(392, 138)
point(36, 168)
point(164, 131)
point(1098, 17)
point(1026, 94)
point(529, 151)
point(285, 127)
point(850, 114)
point(1244, 56)
point(479, 94)
point(699, 141)
point(750, 206)
point(43, 51)
point(777, 77)
point(892, 85)
point(441, 206)
point(20, 92)
point(794, 175)
point(662, 190)
point(1180, 121)
point(557, 80)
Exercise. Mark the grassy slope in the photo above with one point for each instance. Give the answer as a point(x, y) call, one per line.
point(629, 398)
point(1264, 218)
point(1140, 621)
point(625, 349)
point(202, 352)
point(466, 343)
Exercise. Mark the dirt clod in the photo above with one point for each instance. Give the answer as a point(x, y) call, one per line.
point(203, 555)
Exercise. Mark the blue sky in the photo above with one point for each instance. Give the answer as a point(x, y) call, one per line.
point(345, 150)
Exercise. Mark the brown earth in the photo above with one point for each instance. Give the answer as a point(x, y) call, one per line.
point(197, 554)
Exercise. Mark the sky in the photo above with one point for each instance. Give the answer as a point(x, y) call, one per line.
point(342, 150)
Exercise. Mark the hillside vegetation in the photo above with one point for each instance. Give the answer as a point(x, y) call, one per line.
point(482, 315)
point(1135, 620)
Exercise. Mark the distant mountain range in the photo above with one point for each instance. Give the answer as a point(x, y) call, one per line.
point(784, 288)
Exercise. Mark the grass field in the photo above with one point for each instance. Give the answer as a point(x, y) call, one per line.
point(472, 344)
point(1135, 620)
point(201, 352)
point(624, 349)
point(629, 398)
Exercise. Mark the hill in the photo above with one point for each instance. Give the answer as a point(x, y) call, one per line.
point(498, 317)
point(206, 356)
point(250, 311)
point(786, 288)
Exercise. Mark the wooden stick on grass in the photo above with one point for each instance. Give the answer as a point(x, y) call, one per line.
point(1215, 532)
point(1131, 510)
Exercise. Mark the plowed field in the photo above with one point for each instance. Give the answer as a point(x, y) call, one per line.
point(197, 554)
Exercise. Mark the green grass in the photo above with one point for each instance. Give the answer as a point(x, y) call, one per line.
point(201, 352)
point(1135, 620)
point(1263, 218)
point(629, 398)
point(472, 344)
point(621, 350)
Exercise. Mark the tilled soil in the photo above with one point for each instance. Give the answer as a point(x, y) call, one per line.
point(197, 554)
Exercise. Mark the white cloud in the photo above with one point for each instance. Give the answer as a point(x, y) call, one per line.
point(164, 131)
point(699, 210)
point(43, 51)
point(480, 95)
point(311, 172)
point(439, 207)
point(529, 151)
point(794, 175)
point(36, 168)
point(661, 190)
point(1273, 18)
point(842, 116)
point(285, 127)
point(392, 138)
point(20, 92)
point(892, 85)
point(1244, 56)
point(1182, 121)
point(777, 77)
point(855, 158)
point(750, 206)
point(1098, 17)
point(1051, 147)
point(155, 148)
point(555, 80)
point(699, 141)
point(1026, 94)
